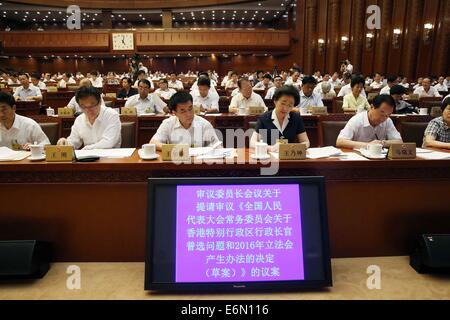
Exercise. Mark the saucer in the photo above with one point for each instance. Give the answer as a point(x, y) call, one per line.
point(255, 157)
point(42, 157)
point(366, 154)
point(141, 155)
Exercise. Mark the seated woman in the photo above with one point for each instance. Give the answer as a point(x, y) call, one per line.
point(437, 134)
point(354, 101)
point(281, 122)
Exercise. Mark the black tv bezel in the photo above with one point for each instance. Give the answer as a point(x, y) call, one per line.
point(238, 286)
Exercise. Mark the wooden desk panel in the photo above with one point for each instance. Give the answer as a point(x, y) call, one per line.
point(97, 211)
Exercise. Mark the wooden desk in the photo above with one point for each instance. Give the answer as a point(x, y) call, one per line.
point(97, 211)
point(126, 281)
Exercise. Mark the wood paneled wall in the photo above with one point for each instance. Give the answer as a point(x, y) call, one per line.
point(332, 19)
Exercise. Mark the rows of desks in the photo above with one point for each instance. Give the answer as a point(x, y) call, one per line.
point(97, 211)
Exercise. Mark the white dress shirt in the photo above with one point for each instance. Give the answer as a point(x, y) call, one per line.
point(337, 83)
point(313, 100)
point(10, 82)
point(23, 93)
point(358, 128)
point(242, 103)
point(296, 84)
point(105, 133)
point(200, 134)
point(432, 92)
point(24, 130)
point(41, 85)
point(260, 86)
point(235, 92)
point(270, 92)
point(345, 90)
point(97, 83)
point(441, 87)
point(224, 81)
point(210, 101)
point(385, 90)
point(165, 94)
point(377, 85)
point(349, 68)
point(177, 85)
point(63, 84)
point(152, 102)
point(406, 85)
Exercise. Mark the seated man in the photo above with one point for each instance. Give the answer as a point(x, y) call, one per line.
point(204, 98)
point(401, 107)
point(307, 95)
point(127, 90)
point(141, 75)
point(174, 83)
point(27, 91)
point(17, 132)
point(265, 84)
point(373, 126)
point(36, 81)
point(98, 127)
point(96, 79)
point(426, 90)
point(441, 86)
point(73, 104)
point(437, 134)
point(325, 90)
point(184, 127)
point(391, 81)
point(164, 91)
point(377, 82)
point(66, 79)
point(232, 82)
point(146, 102)
point(278, 82)
point(246, 98)
point(354, 101)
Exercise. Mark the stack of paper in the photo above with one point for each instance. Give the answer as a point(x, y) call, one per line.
point(7, 154)
point(219, 154)
point(106, 153)
point(434, 155)
point(195, 152)
point(326, 152)
point(352, 156)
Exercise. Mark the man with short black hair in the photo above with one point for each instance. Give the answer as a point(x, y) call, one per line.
point(98, 127)
point(185, 127)
point(278, 83)
point(146, 102)
point(17, 132)
point(391, 81)
point(307, 95)
point(141, 75)
point(174, 83)
point(401, 106)
point(265, 84)
point(27, 91)
point(164, 91)
point(36, 81)
point(369, 127)
point(203, 97)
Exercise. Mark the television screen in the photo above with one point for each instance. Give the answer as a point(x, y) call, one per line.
point(237, 233)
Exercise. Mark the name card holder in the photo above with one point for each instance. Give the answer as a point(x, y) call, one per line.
point(292, 151)
point(65, 112)
point(413, 97)
point(372, 95)
point(52, 89)
point(128, 111)
point(402, 151)
point(111, 95)
point(175, 152)
point(2, 85)
point(59, 153)
point(196, 109)
point(256, 110)
point(319, 111)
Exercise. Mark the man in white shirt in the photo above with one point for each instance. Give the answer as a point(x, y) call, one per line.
point(349, 67)
point(232, 81)
point(307, 95)
point(203, 98)
point(441, 86)
point(226, 78)
point(404, 82)
point(277, 83)
point(325, 90)
point(377, 82)
point(13, 79)
point(36, 81)
point(418, 84)
point(371, 127)
point(97, 81)
point(246, 98)
point(335, 81)
point(391, 82)
point(174, 83)
point(142, 67)
point(141, 75)
point(294, 80)
point(17, 132)
point(73, 104)
point(98, 127)
point(164, 91)
point(146, 102)
point(426, 90)
point(66, 79)
point(265, 84)
point(27, 91)
point(184, 127)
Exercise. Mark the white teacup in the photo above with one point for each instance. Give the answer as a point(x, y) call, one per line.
point(375, 149)
point(242, 111)
point(261, 149)
point(423, 111)
point(50, 112)
point(149, 149)
point(36, 150)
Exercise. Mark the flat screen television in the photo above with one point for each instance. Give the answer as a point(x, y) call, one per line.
point(262, 233)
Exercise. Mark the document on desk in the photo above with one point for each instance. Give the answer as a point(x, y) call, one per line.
point(106, 153)
point(7, 154)
point(434, 155)
point(352, 156)
point(195, 152)
point(219, 154)
point(326, 152)
point(420, 150)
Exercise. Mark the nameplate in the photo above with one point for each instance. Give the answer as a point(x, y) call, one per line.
point(413, 97)
point(111, 95)
point(52, 89)
point(128, 111)
point(59, 153)
point(292, 151)
point(402, 151)
point(2, 85)
point(253, 110)
point(319, 111)
point(372, 96)
point(197, 109)
point(65, 112)
point(282, 141)
point(73, 88)
point(175, 152)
